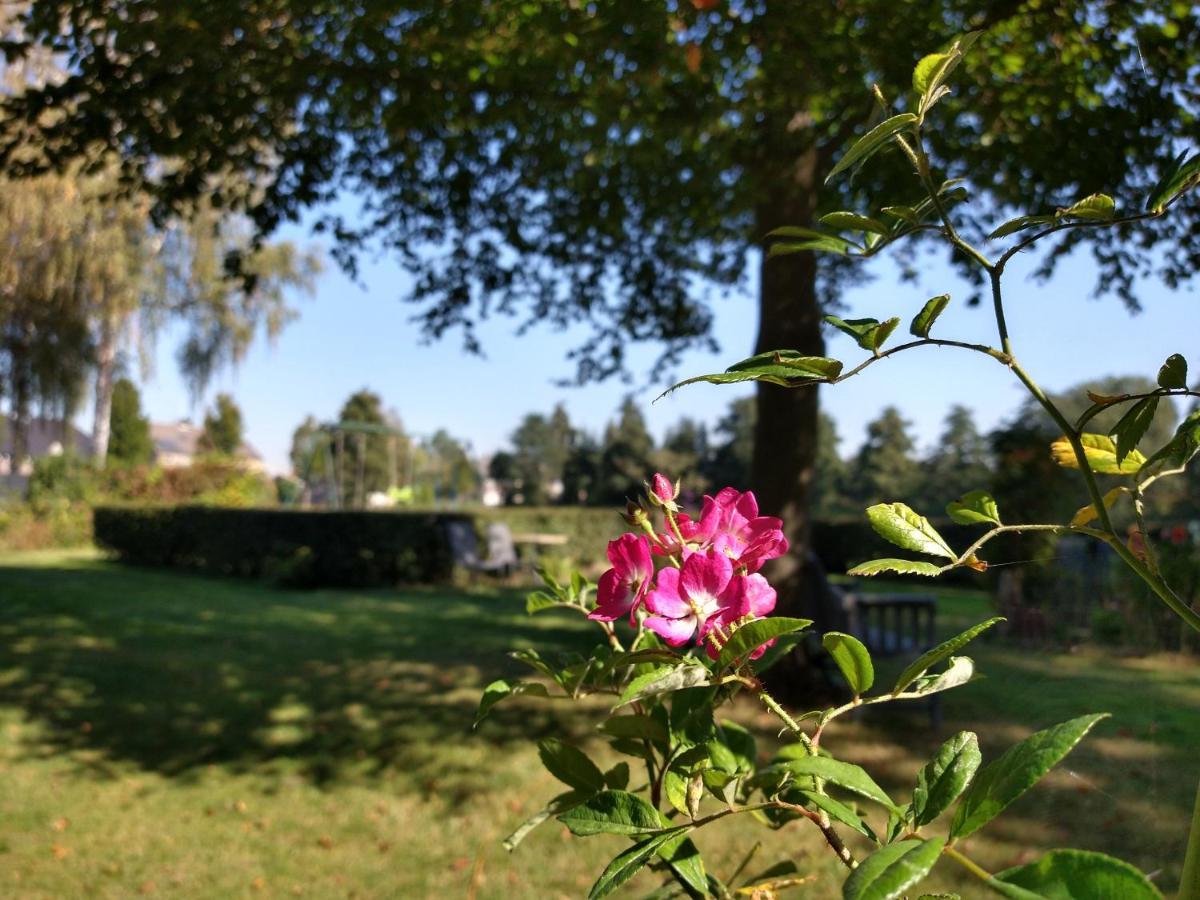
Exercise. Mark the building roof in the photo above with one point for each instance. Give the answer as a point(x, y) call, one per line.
point(45, 436)
point(182, 438)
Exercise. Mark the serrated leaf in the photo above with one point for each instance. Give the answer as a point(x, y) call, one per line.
point(663, 681)
point(1020, 768)
point(1068, 874)
point(1184, 445)
point(628, 863)
point(570, 765)
point(959, 672)
point(1086, 514)
point(837, 810)
point(1132, 426)
point(1177, 177)
point(640, 727)
point(852, 221)
point(899, 566)
point(749, 637)
point(891, 870)
point(1097, 207)
point(845, 775)
point(943, 650)
point(871, 142)
point(783, 367)
point(1173, 374)
point(540, 600)
point(612, 812)
point(500, 689)
point(1020, 223)
point(925, 70)
point(974, 508)
point(945, 777)
point(852, 658)
point(899, 525)
point(1101, 454)
point(923, 321)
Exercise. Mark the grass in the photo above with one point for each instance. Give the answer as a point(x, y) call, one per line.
point(163, 734)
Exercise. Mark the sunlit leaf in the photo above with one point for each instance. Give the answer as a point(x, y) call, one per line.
point(1101, 454)
point(1020, 223)
point(974, 508)
point(835, 809)
point(1183, 446)
point(899, 566)
point(1067, 874)
point(945, 777)
point(664, 681)
point(783, 367)
point(834, 771)
point(890, 871)
point(943, 650)
point(1181, 175)
point(852, 658)
point(871, 142)
point(1022, 766)
point(852, 221)
point(612, 812)
point(752, 635)
point(1088, 513)
point(959, 672)
point(869, 333)
point(1098, 207)
point(500, 689)
point(559, 804)
point(628, 863)
point(906, 529)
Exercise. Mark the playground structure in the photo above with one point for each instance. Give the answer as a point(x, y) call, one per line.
point(333, 487)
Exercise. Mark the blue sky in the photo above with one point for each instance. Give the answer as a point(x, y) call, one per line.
point(350, 336)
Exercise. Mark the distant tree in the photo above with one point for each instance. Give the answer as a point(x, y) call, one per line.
point(960, 462)
point(733, 449)
point(541, 447)
point(581, 473)
point(368, 459)
point(627, 455)
point(503, 470)
point(129, 440)
point(222, 427)
point(829, 497)
point(446, 468)
point(684, 454)
point(309, 446)
point(885, 469)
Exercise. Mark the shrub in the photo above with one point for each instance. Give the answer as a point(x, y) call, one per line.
point(55, 524)
point(299, 548)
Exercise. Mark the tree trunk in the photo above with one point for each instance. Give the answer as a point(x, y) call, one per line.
point(785, 437)
point(106, 362)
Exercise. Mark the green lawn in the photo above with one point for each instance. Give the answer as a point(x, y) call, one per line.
point(169, 735)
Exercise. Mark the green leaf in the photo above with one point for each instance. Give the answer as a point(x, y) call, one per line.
point(628, 863)
point(959, 672)
point(869, 333)
point(640, 727)
point(534, 660)
point(929, 313)
point(617, 777)
point(559, 804)
point(675, 786)
point(907, 214)
point(1179, 176)
point(890, 871)
point(741, 745)
point(1132, 426)
point(837, 810)
point(1173, 374)
point(1020, 223)
point(852, 658)
point(906, 529)
point(851, 221)
point(1097, 207)
point(932, 657)
point(612, 812)
point(540, 600)
point(826, 244)
point(1019, 769)
point(752, 635)
point(871, 142)
point(1101, 454)
point(925, 71)
point(1068, 874)
point(1183, 446)
point(1086, 514)
point(783, 367)
point(845, 775)
point(945, 777)
point(975, 508)
point(663, 680)
point(500, 689)
point(570, 765)
point(900, 566)
point(685, 861)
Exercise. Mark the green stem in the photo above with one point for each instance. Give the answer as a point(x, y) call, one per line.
point(970, 865)
point(1189, 886)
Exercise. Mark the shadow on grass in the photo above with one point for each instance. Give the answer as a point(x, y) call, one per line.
point(171, 673)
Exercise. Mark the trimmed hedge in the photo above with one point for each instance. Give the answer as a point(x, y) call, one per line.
point(302, 548)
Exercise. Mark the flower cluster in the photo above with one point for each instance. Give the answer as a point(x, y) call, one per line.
point(709, 580)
